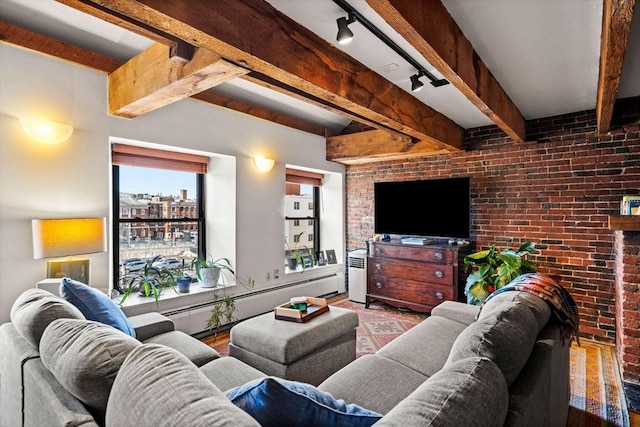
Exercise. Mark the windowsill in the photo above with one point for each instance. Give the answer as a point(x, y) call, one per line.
point(288, 271)
point(171, 300)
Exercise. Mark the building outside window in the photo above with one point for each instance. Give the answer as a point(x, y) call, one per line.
point(303, 188)
point(147, 193)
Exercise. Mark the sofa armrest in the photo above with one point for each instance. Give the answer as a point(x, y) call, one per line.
point(149, 325)
point(457, 311)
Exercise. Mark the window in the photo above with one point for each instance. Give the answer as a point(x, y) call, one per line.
point(302, 189)
point(159, 197)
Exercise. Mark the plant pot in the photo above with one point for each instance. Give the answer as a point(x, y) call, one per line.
point(209, 277)
point(292, 263)
point(184, 284)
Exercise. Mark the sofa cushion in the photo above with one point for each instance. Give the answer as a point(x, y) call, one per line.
point(505, 335)
point(229, 372)
point(95, 305)
point(469, 392)
point(275, 402)
point(158, 386)
point(35, 308)
point(85, 357)
point(434, 337)
point(195, 350)
point(373, 382)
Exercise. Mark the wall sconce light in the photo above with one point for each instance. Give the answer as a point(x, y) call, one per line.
point(263, 164)
point(46, 131)
point(67, 237)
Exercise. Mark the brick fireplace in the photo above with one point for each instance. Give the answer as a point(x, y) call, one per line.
point(627, 295)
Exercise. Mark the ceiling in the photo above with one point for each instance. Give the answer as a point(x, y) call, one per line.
point(507, 61)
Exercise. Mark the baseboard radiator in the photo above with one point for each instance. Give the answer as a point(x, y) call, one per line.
point(193, 320)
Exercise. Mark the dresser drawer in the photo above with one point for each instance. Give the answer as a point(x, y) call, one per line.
point(409, 290)
point(419, 253)
point(414, 270)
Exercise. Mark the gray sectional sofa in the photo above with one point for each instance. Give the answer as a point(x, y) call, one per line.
point(506, 364)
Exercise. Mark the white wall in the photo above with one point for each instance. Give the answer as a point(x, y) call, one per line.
point(73, 178)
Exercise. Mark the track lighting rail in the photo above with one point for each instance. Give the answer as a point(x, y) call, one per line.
point(353, 13)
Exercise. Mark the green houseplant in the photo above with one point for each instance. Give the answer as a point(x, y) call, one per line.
point(183, 280)
point(208, 270)
point(297, 255)
point(495, 269)
point(148, 282)
point(224, 307)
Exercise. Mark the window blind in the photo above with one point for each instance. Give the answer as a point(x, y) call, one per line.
point(129, 155)
point(296, 176)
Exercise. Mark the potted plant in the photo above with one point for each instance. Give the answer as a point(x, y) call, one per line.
point(208, 270)
point(183, 281)
point(224, 307)
point(495, 269)
point(148, 282)
point(297, 255)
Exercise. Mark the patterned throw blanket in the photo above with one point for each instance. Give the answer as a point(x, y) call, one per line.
point(561, 302)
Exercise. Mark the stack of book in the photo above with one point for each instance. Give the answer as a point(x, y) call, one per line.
point(630, 205)
point(415, 241)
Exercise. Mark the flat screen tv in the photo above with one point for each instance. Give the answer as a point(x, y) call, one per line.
point(425, 208)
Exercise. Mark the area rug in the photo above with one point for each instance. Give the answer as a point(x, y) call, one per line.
point(597, 395)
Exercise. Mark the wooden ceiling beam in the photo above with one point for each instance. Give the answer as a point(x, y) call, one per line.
point(42, 44)
point(616, 25)
point(276, 86)
point(375, 146)
point(151, 80)
point(26, 39)
point(430, 29)
point(255, 35)
point(259, 112)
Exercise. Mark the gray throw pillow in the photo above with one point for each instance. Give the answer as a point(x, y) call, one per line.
point(35, 309)
point(85, 357)
point(158, 386)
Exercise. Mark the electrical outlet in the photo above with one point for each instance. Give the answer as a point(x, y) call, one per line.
point(276, 273)
point(268, 276)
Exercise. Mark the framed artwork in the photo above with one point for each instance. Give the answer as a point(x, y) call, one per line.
point(321, 259)
point(331, 256)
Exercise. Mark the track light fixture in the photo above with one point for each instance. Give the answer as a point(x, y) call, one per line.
point(345, 35)
point(416, 84)
point(354, 15)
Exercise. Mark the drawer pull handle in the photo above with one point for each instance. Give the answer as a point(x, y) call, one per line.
point(378, 267)
point(378, 285)
point(439, 295)
point(438, 255)
point(378, 250)
point(439, 274)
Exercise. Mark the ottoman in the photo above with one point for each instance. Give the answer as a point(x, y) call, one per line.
point(308, 352)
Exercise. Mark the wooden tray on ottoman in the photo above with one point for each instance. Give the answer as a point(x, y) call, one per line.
point(315, 307)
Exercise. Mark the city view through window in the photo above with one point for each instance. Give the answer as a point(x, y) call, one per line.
point(158, 221)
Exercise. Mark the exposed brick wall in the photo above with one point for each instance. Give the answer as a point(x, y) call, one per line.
point(627, 248)
point(556, 191)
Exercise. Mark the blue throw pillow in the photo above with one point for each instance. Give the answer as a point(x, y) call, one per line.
point(95, 305)
point(276, 402)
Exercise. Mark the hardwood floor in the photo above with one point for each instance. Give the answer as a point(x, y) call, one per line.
point(634, 418)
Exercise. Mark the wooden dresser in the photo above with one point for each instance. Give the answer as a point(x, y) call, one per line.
point(413, 276)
